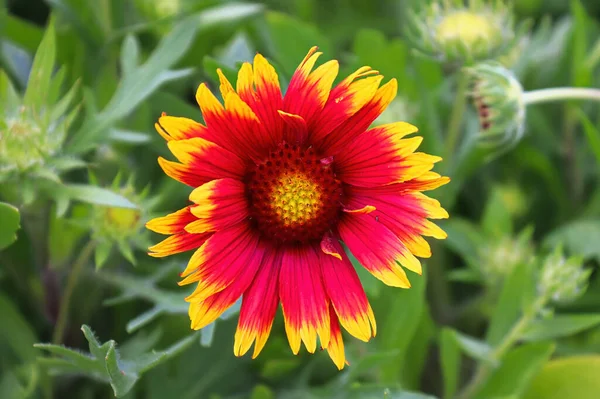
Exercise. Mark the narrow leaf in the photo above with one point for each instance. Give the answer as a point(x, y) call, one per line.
point(11, 220)
point(97, 195)
point(560, 326)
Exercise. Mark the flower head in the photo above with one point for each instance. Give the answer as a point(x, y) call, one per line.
point(459, 32)
point(279, 182)
point(498, 97)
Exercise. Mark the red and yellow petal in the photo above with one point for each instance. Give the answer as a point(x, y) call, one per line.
point(382, 156)
point(303, 299)
point(178, 128)
point(258, 86)
point(204, 312)
point(259, 305)
point(172, 223)
point(220, 260)
point(335, 349)
point(208, 159)
point(345, 100)
point(427, 181)
point(201, 161)
point(378, 256)
point(294, 130)
point(180, 242)
point(308, 91)
point(233, 126)
point(346, 294)
point(406, 214)
point(335, 142)
point(219, 204)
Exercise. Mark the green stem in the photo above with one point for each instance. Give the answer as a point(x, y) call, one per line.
point(456, 117)
point(65, 303)
point(559, 94)
point(516, 332)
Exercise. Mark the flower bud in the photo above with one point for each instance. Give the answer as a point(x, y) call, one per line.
point(459, 33)
point(120, 227)
point(498, 98)
point(499, 257)
point(562, 279)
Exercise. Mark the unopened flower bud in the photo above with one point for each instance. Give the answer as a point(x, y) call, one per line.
point(121, 227)
point(459, 32)
point(498, 97)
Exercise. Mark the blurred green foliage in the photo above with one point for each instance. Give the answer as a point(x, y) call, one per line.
point(94, 77)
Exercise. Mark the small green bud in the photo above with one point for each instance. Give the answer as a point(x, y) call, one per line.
point(498, 98)
point(119, 227)
point(499, 257)
point(562, 279)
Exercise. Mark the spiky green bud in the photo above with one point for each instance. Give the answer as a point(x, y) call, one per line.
point(562, 279)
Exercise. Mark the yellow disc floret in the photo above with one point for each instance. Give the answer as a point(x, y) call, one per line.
point(295, 199)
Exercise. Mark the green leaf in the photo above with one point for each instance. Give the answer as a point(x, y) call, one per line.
point(135, 88)
point(464, 238)
point(22, 32)
point(496, 220)
point(572, 377)
point(16, 334)
point(581, 75)
point(449, 361)
point(580, 237)
point(11, 220)
point(101, 253)
point(292, 39)
point(592, 134)
point(228, 13)
point(38, 85)
point(518, 368)
point(130, 55)
point(9, 98)
point(515, 296)
point(560, 326)
point(96, 195)
point(104, 362)
point(128, 136)
point(67, 163)
point(404, 309)
point(472, 347)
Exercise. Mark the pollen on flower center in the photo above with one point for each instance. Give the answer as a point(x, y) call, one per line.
point(294, 195)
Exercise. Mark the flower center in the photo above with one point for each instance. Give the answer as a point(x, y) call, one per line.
point(468, 27)
point(294, 195)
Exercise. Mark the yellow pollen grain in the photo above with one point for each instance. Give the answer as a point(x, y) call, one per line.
point(296, 199)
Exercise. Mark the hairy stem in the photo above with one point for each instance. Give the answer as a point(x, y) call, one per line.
point(456, 116)
point(560, 94)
